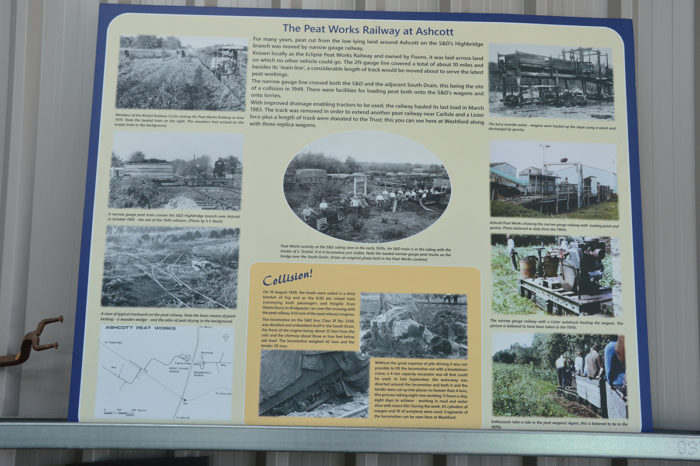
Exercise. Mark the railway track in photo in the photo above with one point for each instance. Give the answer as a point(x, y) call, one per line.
point(207, 201)
point(167, 274)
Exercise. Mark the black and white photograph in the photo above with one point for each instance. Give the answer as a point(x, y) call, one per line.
point(556, 275)
point(553, 179)
point(330, 384)
point(559, 375)
point(182, 73)
point(367, 186)
point(167, 267)
point(179, 171)
point(546, 81)
point(406, 325)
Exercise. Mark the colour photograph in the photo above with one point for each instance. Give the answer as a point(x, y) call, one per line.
point(556, 275)
point(559, 375)
point(553, 179)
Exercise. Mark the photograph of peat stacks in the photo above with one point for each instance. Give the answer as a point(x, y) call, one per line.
point(403, 325)
point(167, 267)
point(550, 82)
point(559, 375)
point(182, 73)
point(566, 180)
point(180, 171)
point(314, 384)
point(559, 276)
point(367, 186)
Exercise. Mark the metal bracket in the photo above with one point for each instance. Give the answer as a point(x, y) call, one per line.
point(30, 340)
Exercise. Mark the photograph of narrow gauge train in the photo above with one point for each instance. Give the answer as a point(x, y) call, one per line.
point(544, 81)
point(556, 275)
point(367, 186)
point(182, 73)
point(559, 375)
point(566, 180)
point(180, 171)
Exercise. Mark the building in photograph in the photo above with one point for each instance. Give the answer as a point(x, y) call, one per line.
point(538, 181)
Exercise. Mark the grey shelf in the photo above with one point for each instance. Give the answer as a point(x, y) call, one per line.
point(666, 445)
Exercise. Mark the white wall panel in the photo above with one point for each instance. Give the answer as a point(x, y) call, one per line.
point(18, 161)
point(667, 157)
point(63, 123)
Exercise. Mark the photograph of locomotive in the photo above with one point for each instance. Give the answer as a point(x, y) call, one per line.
point(566, 180)
point(314, 384)
point(528, 80)
point(557, 275)
point(180, 171)
point(559, 375)
point(182, 73)
point(367, 186)
point(406, 325)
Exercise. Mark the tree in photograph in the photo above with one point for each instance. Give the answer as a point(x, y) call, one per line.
point(233, 165)
point(144, 41)
point(116, 160)
point(137, 157)
point(171, 42)
point(351, 165)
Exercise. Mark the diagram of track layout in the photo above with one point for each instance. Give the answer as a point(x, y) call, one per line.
point(165, 372)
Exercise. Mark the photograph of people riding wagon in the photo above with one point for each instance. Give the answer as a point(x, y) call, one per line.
point(367, 186)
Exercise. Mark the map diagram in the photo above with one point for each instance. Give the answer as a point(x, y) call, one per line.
point(164, 372)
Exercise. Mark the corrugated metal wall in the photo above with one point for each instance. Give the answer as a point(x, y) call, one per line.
point(47, 52)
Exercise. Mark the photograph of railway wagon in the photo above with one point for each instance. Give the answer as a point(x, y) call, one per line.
point(182, 171)
point(367, 186)
point(182, 73)
point(402, 325)
point(560, 179)
point(545, 81)
point(559, 375)
point(556, 275)
point(167, 267)
point(314, 384)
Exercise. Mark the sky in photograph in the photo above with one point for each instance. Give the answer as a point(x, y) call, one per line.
point(198, 42)
point(503, 340)
point(522, 154)
point(171, 146)
point(546, 50)
point(372, 146)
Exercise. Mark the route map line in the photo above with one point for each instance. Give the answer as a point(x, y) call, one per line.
point(191, 360)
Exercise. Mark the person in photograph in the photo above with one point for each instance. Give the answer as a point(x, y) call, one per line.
point(593, 367)
point(512, 252)
point(578, 363)
point(307, 214)
point(355, 205)
point(569, 373)
point(614, 355)
point(561, 369)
